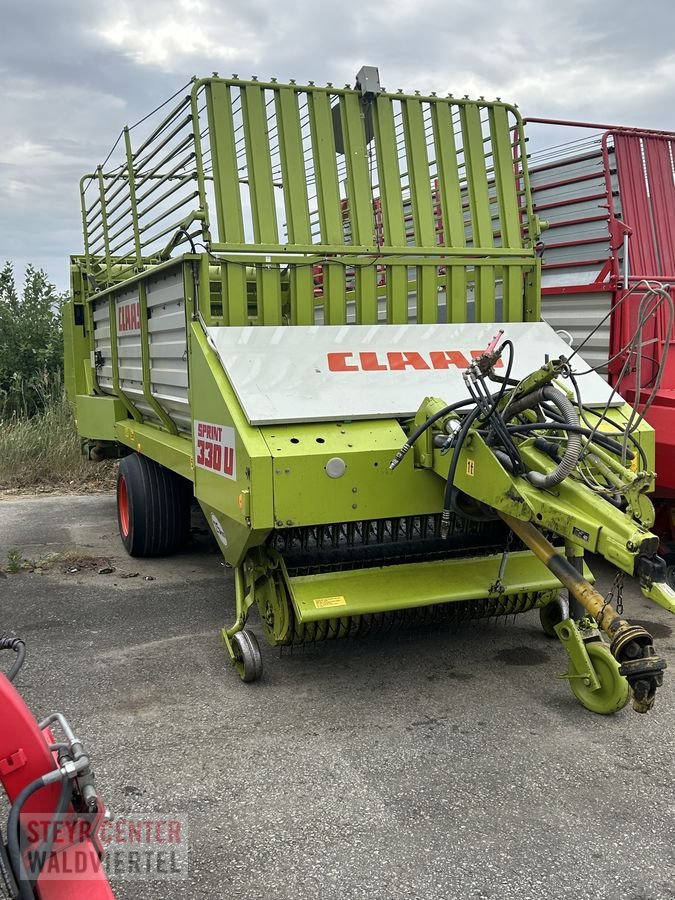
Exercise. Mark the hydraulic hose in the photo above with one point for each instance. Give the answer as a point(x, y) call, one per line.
point(14, 821)
point(600, 439)
point(19, 647)
point(450, 483)
point(13, 824)
point(45, 850)
point(419, 431)
point(569, 417)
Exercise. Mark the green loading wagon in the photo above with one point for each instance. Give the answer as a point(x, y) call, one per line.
point(317, 311)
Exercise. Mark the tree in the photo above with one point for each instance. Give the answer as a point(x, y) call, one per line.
point(31, 340)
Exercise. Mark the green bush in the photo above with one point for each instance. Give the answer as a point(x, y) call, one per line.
point(31, 343)
point(39, 444)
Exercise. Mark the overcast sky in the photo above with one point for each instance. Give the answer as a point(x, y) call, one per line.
point(73, 72)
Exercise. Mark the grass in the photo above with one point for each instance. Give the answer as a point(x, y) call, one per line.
point(43, 452)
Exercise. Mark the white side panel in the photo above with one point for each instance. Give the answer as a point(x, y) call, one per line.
point(574, 191)
point(578, 315)
point(168, 347)
point(102, 346)
point(129, 350)
point(331, 373)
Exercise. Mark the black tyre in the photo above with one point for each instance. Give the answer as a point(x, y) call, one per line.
point(670, 569)
point(153, 507)
point(248, 659)
point(553, 614)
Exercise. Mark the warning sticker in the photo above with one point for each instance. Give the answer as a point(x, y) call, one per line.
point(323, 602)
point(214, 449)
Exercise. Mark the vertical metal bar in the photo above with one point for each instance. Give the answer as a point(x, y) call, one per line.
point(508, 205)
point(360, 203)
point(224, 162)
point(479, 204)
point(505, 177)
point(104, 223)
point(532, 298)
point(132, 196)
point(260, 180)
point(418, 173)
point(263, 201)
point(294, 181)
point(424, 230)
point(328, 200)
point(393, 221)
point(85, 229)
point(149, 397)
point(227, 192)
point(450, 199)
point(203, 287)
point(199, 165)
point(512, 287)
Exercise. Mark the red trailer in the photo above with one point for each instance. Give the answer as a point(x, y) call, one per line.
point(609, 200)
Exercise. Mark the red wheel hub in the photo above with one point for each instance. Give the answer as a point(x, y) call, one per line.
point(123, 506)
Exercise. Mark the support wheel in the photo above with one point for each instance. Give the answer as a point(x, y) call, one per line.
point(553, 614)
point(153, 507)
point(247, 656)
point(670, 569)
point(614, 691)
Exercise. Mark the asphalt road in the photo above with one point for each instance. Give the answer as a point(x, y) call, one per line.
point(420, 765)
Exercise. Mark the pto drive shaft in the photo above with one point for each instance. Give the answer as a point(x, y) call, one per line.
point(631, 645)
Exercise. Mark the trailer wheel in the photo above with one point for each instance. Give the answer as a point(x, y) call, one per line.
point(153, 507)
point(247, 656)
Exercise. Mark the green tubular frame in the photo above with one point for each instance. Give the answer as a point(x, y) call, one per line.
point(432, 196)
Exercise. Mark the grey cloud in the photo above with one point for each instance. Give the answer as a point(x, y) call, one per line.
point(66, 89)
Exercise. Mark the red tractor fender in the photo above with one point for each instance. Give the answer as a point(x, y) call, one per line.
point(74, 870)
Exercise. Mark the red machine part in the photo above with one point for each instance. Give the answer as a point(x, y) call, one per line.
point(24, 757)
point(638, 205)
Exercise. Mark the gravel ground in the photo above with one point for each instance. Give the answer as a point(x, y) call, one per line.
point(419, 765)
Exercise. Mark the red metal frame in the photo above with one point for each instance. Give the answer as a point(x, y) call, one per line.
point(24, 757)
point(644, 162)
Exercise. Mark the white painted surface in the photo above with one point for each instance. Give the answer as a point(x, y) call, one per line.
point(283, 374)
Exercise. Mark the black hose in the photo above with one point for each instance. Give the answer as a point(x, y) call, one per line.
point(44, 851)
point(573, 447)
point(452, 471)
point(606, 442)
point(419, 431)
point(13, 843)
point(594, 434)
point(19, 647)
point(507, 376)
point(495, 398)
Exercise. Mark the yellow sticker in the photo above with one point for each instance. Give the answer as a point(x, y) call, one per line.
point(470, 467)
point(323, 602)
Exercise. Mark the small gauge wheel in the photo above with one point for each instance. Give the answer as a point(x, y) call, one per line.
point(614, 691)
point(670, 569)
point(553, 614)
point(247, 656)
